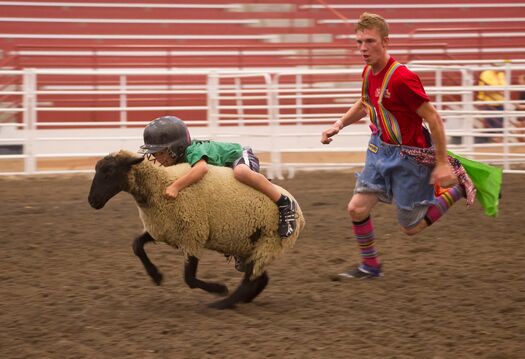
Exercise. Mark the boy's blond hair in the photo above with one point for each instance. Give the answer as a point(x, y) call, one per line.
point(369, 21)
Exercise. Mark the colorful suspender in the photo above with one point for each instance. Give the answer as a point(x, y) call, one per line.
point(387, 119)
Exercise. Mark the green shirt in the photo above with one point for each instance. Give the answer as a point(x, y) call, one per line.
point(215, 153)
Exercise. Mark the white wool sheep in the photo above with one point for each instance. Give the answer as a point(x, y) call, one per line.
point(217, 213)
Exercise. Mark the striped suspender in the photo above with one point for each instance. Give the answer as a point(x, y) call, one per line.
point(366, 98)
point(388, 121)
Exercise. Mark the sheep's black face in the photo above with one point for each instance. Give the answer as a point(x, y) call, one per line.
point(110, 178)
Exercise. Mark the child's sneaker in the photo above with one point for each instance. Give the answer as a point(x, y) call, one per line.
point(287, 220)
point(363, 272)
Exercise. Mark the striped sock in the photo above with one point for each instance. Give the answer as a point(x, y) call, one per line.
point(364, 233)
point(444, 202)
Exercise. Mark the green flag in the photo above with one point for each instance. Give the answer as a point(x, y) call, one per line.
point(487, 180)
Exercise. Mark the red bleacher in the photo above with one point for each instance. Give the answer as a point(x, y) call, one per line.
point(303, 27)
point(240, 34)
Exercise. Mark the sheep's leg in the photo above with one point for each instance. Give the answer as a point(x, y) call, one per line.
point(261, 283)
point(190, 277)
point(138, 249)
point(246, 292)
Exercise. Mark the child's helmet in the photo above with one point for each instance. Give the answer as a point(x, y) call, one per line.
point(167, 132)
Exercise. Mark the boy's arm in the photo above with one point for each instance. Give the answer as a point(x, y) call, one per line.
point(354, 114)
point(195, 174)
point(442, 173)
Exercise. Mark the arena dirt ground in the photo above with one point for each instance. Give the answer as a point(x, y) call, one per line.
point(72, 288)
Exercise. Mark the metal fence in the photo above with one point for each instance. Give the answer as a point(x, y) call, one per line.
point(51, 114)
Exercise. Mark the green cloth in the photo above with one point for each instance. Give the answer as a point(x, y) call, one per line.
point(487, 180)
point(215, 153)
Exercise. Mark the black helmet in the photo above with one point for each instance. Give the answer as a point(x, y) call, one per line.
point(167, 132)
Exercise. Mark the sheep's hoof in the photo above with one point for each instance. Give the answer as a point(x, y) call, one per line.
point(156, 278)
point(222, 304)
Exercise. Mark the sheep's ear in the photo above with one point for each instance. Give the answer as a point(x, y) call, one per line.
point(131, 161)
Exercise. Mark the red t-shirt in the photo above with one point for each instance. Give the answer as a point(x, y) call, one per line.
point(403, 96)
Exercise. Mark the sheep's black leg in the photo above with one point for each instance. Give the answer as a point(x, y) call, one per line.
point(261, 283)
point(246, 292)
point(138, 249)
point(190, 277)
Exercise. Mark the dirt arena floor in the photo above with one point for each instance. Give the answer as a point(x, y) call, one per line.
point(72, 288)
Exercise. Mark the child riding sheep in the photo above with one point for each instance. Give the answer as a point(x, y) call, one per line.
point(168, 141)
point(217, 213)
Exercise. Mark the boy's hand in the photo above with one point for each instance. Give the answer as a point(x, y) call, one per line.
point(195, 174)
point(171, 192)
point(326, 136)
point(443, 175)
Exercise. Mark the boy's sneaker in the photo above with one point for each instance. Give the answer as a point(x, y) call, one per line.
point(363, 272)
point(287, 220)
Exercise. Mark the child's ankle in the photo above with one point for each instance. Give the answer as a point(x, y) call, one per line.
point(282, 200)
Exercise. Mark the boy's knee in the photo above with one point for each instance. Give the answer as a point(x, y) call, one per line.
point(410, 231)
point(357, 213)
point(242, 173)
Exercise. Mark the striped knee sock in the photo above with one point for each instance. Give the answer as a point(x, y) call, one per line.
point(364, 233)
point(444, 202)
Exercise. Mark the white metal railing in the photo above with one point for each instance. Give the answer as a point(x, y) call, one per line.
point(365, 6)
point(103, 4)
point(280, 112)
point(438, 20)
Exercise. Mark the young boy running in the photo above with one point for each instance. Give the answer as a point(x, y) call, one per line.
point(395, 100)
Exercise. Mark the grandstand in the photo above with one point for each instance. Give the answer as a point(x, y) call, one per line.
point(116, 64)
point(248, 34)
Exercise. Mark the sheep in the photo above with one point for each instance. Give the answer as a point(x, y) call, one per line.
point(217, 213)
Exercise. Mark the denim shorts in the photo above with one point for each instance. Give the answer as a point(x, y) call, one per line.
point(393, 176)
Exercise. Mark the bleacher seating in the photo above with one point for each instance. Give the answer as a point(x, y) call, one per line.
point(240, 34)
point(27, 30)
